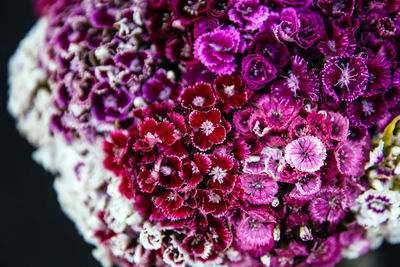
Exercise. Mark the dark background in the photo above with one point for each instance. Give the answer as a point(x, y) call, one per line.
point(33, 229)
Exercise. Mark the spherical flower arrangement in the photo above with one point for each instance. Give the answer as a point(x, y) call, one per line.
point(217, 133)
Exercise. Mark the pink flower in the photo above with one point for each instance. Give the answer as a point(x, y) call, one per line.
point(306, 187)
point(200, 96)
point(340, 126)
point(350, 158)
point(259, 188)
point(330, 205)
point(252, 233)
point(306, 154)
point(207, 128)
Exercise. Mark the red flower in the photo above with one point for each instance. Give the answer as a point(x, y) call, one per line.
point(115, 151)
point(213, 201)
point(193, 171)
point(126, 186)
point(230, 90)
point(169, 201)
point(219, 232)
point(154, 132)
point(147, 180)
point(198, 97)
point(197, 245)
point(221, 177)
point(207, 128)
point(170, 172)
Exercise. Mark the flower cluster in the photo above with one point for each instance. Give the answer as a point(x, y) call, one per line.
point(240, 131)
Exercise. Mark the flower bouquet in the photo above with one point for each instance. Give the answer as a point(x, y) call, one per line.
point(217, 133)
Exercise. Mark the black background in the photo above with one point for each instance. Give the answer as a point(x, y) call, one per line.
point(33, 229)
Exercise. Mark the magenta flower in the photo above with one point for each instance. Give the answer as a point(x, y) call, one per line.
point(241, 120)
point(215, 50)
point(278, 114)
point(257, 71)
point(330, 205)
point(248, 14)
point(207, 128)
point(344, 79)
point(200, 96)
point(252, 234)
point(350, 158)
point(326, 252)
point(340, 126)
point(265, 44)
point(259, 188)
point(307, 187)
point(289, 25)
point(306, 154)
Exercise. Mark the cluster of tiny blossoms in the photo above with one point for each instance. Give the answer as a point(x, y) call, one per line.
point(239, 131)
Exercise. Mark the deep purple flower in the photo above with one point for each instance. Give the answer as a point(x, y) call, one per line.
point(216, 49)
point(306, 154)
point(265, 44)
point(345, 23)
point(386, 27)
point(109, 103)
point(367, 111)
point(300, 83)
point(257, 71)
point(289, 25)
point(344, 79)
point(295, 3)
point(160, 87)
point(248, 14)
point(336, 6)
point(379, 75)
point(310, 29)
point(340, 45)
point(330, 205)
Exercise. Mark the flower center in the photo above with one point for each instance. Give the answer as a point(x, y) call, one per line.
point(198, 101)
point(229, 90)
point(367, 107)
point(214, 198)
point(293, 83)
point(218, 174)
point(208, 127)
